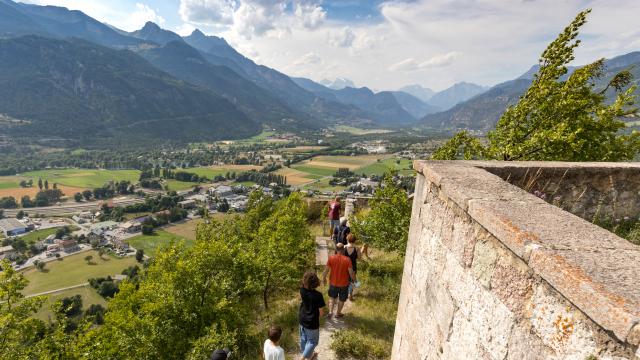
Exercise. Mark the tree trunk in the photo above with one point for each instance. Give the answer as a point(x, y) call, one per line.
point(265, 293)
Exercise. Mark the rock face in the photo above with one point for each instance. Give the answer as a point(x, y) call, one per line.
point(494, 272)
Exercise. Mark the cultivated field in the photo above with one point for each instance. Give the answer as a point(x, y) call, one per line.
point(328, 165)
point(297, 177)
point(302, 149)
point(212, 171)
point(69, 181)
point(404, 167)
point(358, 131)
point(82, 178)
point(74, 270)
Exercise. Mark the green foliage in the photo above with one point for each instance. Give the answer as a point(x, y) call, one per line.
point(354, 343)
point(18, 329)
point(386, 226)
point(557, 118)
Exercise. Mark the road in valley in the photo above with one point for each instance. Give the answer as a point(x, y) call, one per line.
point(73, 208)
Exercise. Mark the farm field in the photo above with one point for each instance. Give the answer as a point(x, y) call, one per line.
point(302, 149)
point(151, 243)
point(74, 270)
point(328, 165)
point(297, 177)
point(405, 167)
point(14, 189)
point(323, 185)
point(176, 185)
point(82, 178)
point(89, 297)
point(213, 171)
point(358, 131)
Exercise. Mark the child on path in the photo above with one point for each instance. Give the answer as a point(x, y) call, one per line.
point(272, 350)
point(311, 309)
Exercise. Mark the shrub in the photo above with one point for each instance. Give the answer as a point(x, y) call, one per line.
point(352, 343)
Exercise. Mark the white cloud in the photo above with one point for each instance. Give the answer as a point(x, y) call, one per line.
point(141, 15)
point(207, 12)
point(411, 64)
point(310, 15)
point(342, 38)
point(308, 59)
point(128, 19)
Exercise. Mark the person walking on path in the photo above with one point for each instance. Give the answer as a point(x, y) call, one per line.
point(311, 309)
point(272, 350)
point(341, 231)
point(341, 273)
point(353, 253)
point(334, 214)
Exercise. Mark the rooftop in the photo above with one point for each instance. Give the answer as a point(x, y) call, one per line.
point(11, 224)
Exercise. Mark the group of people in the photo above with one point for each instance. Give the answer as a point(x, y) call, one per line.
point(341, 268)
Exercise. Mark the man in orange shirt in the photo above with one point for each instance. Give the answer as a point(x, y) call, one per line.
point(341, 271)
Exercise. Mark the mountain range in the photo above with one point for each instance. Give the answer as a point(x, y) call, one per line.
point(482, 111)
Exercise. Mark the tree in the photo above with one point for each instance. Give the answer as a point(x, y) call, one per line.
point(19, 328)
point(560, 117)
point(223, 207)
point(139, 255)
point(46, 184)
point(283, 247)
point(88, 259)
point(55, 186)
point(40, 184)
point(108, 289)
point(77, 197)
point(26, 202)
point(87, 194)
point(96, 313)
point(386, 225)
point(72, 306)
point(8, 202)
point(23, 183)
point(101, 252)
point(1, 214)
point(41, 265)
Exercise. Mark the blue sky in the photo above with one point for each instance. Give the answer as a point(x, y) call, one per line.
point(385, 44)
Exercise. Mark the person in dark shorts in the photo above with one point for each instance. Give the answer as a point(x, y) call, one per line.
point(353, 253)
point(341, 271)
point(341, 232)
point(311, 309)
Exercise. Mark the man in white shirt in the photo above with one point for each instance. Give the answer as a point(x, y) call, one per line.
point(273, 351)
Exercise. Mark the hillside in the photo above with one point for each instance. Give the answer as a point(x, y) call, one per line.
point(455, 94)
point(153, 32)
point(413, 105)
point(184, 62)
point(81, 91)
point(218, 52)
point(24, 19)
point(383, 107)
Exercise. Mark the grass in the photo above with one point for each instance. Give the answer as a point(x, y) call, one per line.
point(176, 185)
point(323, 185)
point(82, 178)
point(358, 131)
point(73, 270)
point(213, 171)
point(185, 230)
point(88, 294)
point(371, 320)
point(379, 168)
point(9, 184)
point(315, 170)
point(38, 235)
point(151, 243)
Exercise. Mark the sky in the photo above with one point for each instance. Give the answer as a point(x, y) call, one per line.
point(386, 44)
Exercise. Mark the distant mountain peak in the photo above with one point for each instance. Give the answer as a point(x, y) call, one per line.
point(197, 34)
point(150, 25)
point(338, 84)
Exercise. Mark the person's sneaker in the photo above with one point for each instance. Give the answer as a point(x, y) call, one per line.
point(328, 315)
point(339, 316)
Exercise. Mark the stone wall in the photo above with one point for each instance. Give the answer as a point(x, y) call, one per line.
point(493, 272)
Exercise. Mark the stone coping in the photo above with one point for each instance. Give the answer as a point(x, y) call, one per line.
point(591, 267)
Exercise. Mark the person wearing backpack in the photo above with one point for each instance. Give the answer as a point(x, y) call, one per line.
point(341, 231)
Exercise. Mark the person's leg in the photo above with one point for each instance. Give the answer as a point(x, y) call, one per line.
point(343, 294)
point(303, 339)
point(313, 336)
point(333, 295)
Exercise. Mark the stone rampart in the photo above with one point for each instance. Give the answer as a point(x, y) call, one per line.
point(494, 272)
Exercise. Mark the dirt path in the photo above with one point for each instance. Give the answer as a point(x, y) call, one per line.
point(327, 329)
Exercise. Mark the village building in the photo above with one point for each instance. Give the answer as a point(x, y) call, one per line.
point(6, 251)
point(69, 246)
point(12, 227)
point(187, 204)
point(102, 227)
